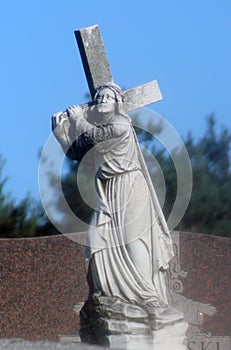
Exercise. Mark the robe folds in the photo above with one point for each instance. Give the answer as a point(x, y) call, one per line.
point(129, 244)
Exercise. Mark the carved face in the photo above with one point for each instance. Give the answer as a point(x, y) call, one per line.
point(106, 101)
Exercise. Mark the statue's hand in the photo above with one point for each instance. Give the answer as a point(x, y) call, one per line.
point(74, 112)
point(57, 119)
point(60, 128)
point(207, 309)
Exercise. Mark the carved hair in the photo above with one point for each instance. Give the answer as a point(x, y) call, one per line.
point(119, 95)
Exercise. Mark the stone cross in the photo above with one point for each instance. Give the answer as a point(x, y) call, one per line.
point(97, 70)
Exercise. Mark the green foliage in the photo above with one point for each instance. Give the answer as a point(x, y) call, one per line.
point(16, 220)
point(210, 205)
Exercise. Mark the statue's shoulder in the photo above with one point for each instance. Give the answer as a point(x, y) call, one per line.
point(123, 119)
point(122, 124)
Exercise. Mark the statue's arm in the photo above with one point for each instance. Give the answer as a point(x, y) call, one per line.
point(63, 128)
point(77, 136)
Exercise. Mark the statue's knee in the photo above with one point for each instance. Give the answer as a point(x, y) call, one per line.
point(140, 256)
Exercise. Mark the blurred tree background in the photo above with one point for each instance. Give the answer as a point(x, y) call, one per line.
point(208, 211)
point(16, 219)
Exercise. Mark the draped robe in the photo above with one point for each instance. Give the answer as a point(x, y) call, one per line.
point(129, 244)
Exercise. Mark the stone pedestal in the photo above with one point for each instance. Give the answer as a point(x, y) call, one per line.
point(129, 342)
point(170, 337)
point(111, 322)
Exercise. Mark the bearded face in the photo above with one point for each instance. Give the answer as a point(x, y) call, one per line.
point(106, 101)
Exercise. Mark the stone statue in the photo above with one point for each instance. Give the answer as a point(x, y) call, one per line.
point(129, 245)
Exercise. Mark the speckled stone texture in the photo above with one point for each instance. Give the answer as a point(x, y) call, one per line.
point(207, 260)
point(19, 344)
point(42, 279)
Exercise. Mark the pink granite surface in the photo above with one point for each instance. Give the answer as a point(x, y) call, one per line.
point(41, 281)
point(207, 260)
point(43, 278)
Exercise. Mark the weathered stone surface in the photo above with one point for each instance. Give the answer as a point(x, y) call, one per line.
point(107, 326)
point(128, 341)
point(108, 307)
point(125, 272)
point(94, 57)
point(110, 321)
point(160, 318)
point(142, 95)
point(171, 337)
point(104, 316)
point(97, 71)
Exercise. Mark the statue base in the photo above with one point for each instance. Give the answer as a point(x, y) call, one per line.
point(111, 322)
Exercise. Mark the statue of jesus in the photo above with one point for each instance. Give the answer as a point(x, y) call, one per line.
point(129, 244)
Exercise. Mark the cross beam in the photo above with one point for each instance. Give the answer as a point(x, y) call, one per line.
point(97, 70)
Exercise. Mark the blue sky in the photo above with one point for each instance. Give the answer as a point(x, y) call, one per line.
point(185, 45)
